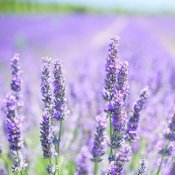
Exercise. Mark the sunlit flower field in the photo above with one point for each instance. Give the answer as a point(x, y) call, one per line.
point(87, 94)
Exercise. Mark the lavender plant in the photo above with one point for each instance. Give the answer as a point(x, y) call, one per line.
point(167, 148)
point(46, 88)
point(82, 163)
point(60, 110)
point(116, 166)
point(14, 133)
point(98, 149)
point(16, 80)
point(47, 142)
point(142, 168)
point(131, 133)
point(46, 127)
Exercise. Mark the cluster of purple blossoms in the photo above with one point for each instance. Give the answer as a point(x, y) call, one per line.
point(116, 166)
point(16, 79)
point(116, 91)
point(60, 107)
point(122, 79)
point(142, 169)
point(13, 123)
point(14, 132)
point(169, 135)
point(118, 121)
point(111, 69)
point(134, 119)
point(46, 136)
point(46, 88)
point(118, 107)
point(83, 162)
point(98, 149)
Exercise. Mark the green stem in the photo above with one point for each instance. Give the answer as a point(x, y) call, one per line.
point(110, 132)
point(95, 168)
point(59, 137)
point(160, 166)
point(161, 161)
point(17, 152)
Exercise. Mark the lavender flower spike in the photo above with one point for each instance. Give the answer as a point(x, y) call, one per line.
point(47, 142)
point(116, 166)
point(13, 123)
point(46, 136)
point(60, 107)
point(111, 69)
point(134, 119)
point(166, 148)
point(170, 132)
point(14, 132)
point(118, 121)
point(98, 149)
point(142, 169)
point(46, 88)
point(16, 78)
point(83, 162)
point(122, 79)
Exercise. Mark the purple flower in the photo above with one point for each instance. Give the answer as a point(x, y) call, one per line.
point(118, 121)
point(46, 136)
point(60, 107)
point(16, 80)
point(111, 69)
point(116, 166)
point(98, 149)
point(13, 123)
point(170, 132)
point(142, 169)
point(14, 133)
point(83, 162)
point(46, 88)
point(134, 119)
point(122, 79)
point(166, 149)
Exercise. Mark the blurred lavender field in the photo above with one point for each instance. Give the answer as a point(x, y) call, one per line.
point(80, 41)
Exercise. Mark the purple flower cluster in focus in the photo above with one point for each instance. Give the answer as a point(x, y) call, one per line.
point(98, 149)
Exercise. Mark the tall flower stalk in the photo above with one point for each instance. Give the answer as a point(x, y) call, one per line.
point(116, 166)
point(82, 163)
point(110, 81)
point(98, 149)
point(142, 168)
point(46, 126)
point(47, 142)
point(60, 110)
point(131, 133)
point(116, 109)
point(167, 147)
point(12, 108)
point(16, 80)
point(14, 133)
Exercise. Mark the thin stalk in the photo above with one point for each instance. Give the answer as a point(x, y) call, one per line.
point(55, 146)
point(59, 137)
point(160, 166)
point(95, 168)
point(161, 161)
point(110, 132)
point(17, 152)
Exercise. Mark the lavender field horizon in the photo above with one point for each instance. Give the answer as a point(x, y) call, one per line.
point(74, 72)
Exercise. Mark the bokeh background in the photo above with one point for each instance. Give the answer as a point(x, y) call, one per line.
point(77, 32)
